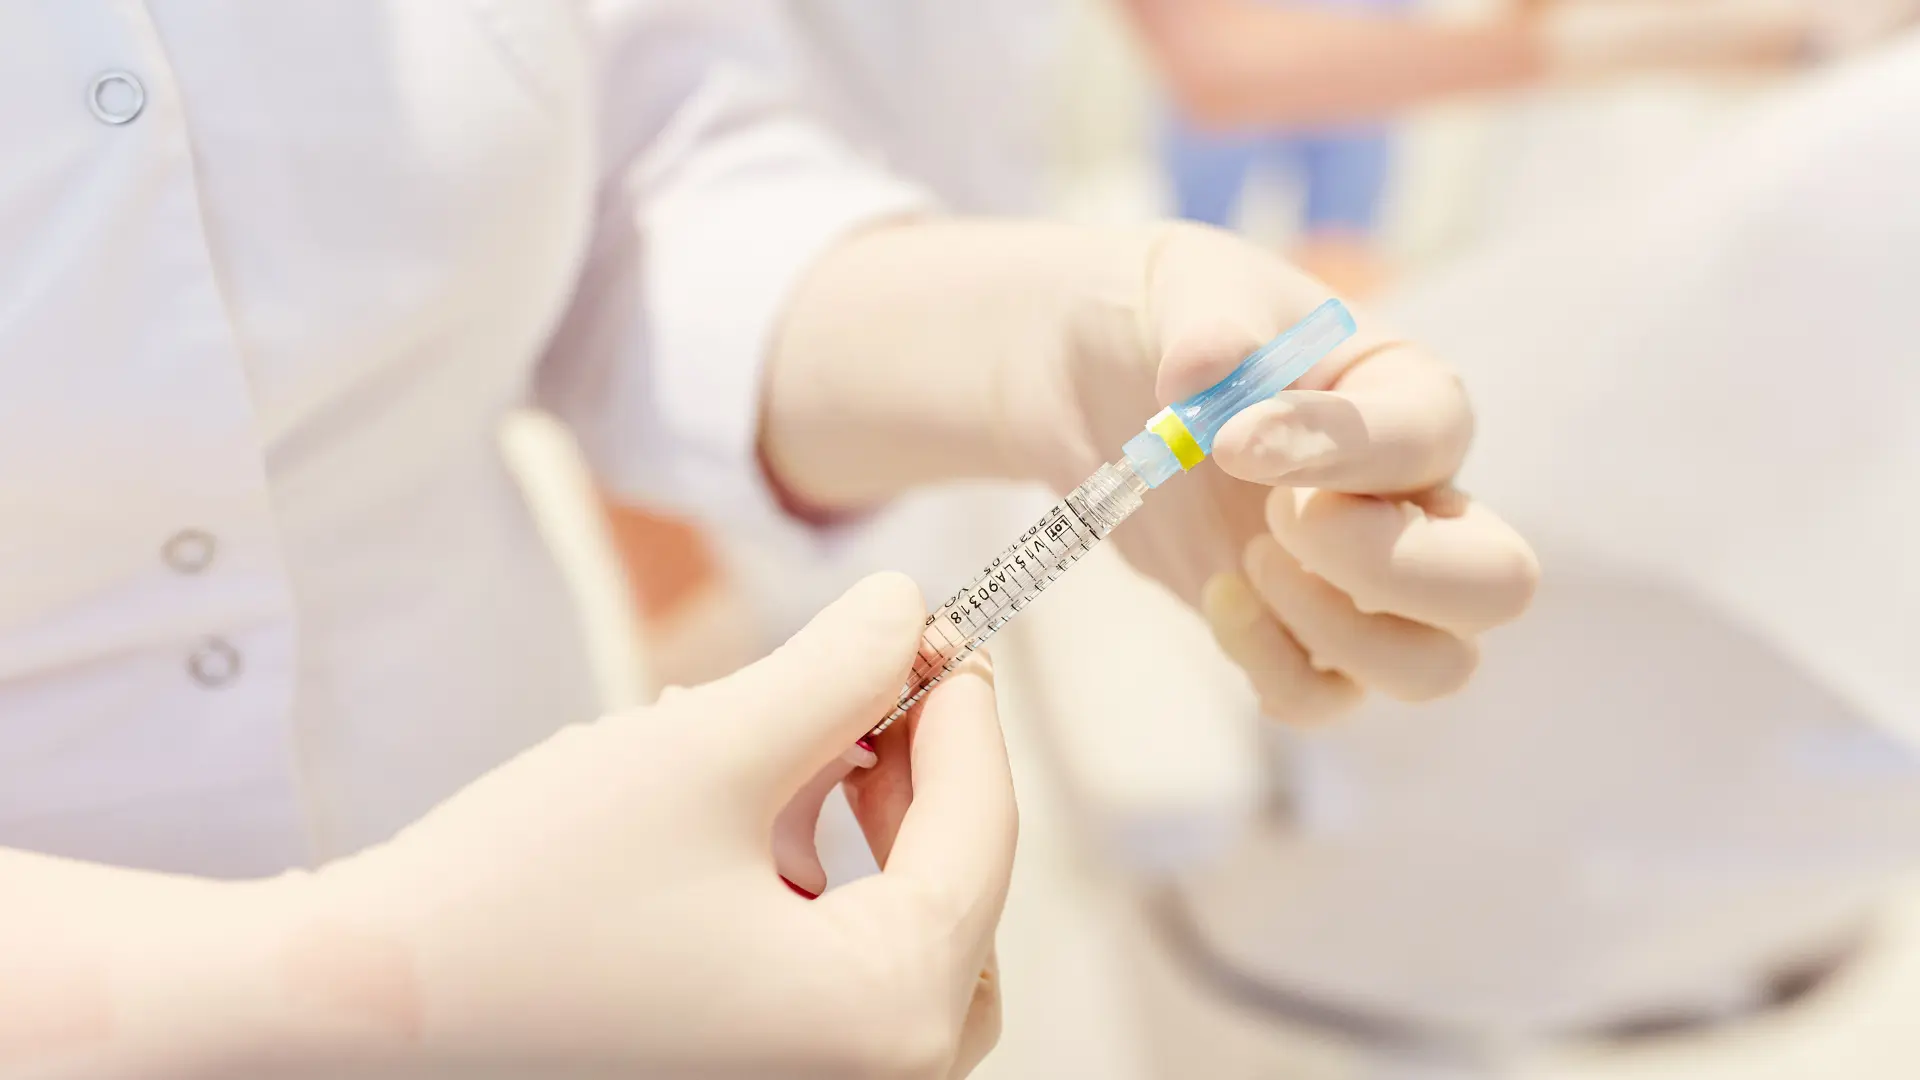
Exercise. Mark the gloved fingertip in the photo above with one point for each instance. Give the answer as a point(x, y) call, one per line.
point(1272, 441)
point(1263, 558)
point(1283, 510)
point(1229, 603)
point(980, 665)
point(886, 598)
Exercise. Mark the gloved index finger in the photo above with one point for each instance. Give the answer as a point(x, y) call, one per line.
point(955, 842)
point(1395, 422)
point(777, 722)
point(879, 796)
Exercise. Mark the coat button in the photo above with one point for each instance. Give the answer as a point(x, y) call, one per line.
point(214, 664)
point(189, 551)
point(116, 97)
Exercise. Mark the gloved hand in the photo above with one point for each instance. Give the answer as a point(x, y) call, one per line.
point(609, 897)
point(934, 350)
point(1324, 541)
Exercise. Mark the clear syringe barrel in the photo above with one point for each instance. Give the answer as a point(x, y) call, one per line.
point(1023, 571)
point(1176, 440)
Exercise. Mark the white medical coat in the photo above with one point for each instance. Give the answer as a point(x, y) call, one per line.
point(270, 277)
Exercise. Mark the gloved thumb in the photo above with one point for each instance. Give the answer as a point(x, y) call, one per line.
point(772, 726)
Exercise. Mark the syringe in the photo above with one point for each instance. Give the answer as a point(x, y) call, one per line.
point(1178, 438)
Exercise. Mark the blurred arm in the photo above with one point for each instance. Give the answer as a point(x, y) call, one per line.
point(1249, 63)
point(1234, 62)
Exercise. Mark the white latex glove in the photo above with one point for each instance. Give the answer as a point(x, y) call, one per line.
point(604, 904)
point(1323, 541)
point(933, 350)
point(609, 896)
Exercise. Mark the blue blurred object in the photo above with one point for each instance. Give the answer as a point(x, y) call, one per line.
point(1343, 172)
point(1342, 169)
point(1270, 369)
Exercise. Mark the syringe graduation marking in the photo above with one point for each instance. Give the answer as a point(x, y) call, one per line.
point(1171, 444)
point(1011, 581)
